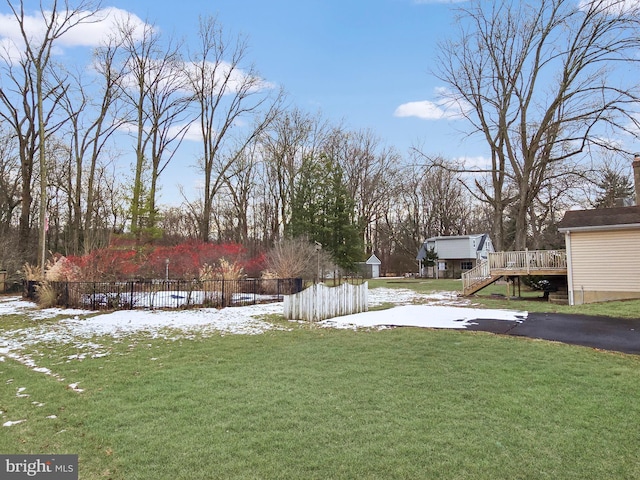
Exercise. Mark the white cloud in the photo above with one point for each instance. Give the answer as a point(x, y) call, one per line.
point(103, 24)
point(474, 163)
point(90, 32)
point(227, 78)
point(423, 109)
point(633, 126)
point(613, 7)
point(447, 107)
point(193, 133)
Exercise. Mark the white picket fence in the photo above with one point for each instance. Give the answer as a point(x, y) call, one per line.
point(320, 302)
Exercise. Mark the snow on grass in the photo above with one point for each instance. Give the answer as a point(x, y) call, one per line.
point(234, 320)
point(12, 305)
point(82, 329)
point(11, 423)
point(75, 388)
point(402, 296)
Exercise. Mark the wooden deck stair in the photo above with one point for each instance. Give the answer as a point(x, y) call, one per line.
point(500, 264)
point(478, 278)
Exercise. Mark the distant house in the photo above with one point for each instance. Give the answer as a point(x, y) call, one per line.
point(370, 268)
point(455, 254)
point(603, 254)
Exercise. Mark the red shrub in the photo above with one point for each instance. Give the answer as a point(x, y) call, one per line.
point(121, 260)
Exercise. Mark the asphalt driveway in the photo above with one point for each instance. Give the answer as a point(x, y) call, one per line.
point(617, 334)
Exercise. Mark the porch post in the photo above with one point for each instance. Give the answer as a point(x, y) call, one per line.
point(567, 244)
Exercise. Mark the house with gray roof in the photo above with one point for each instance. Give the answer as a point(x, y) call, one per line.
point(455, 254)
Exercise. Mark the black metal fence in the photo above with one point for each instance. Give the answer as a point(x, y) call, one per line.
point(165, 293)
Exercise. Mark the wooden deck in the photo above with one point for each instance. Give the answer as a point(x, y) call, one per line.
point(500, 264)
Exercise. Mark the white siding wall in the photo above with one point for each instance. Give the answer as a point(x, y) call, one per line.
point(605, 263)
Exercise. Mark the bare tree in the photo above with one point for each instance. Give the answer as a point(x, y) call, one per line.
point(240, 182)
point(293, 136)
point(94, 117)
point(434, 201)
point(9, 181)
point(535, 80)
point(369, 174)
point(297, 258)
point(155, 87)
point(168, 119)
point(225, 95)
point(58, 201)
point(177, 224)
point(33, 117)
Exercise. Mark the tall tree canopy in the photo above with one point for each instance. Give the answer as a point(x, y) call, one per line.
point(541, 82)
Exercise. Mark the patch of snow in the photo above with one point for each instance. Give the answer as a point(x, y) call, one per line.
point(75, 388)
point(42, 370)
point(20, 394)
point(429, 316)
point(236, 320)
point(16, 305)
point(404, 296)
point(11, 423)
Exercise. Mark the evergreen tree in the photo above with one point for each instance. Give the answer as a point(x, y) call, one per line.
point(323, 210)
point(613, 189)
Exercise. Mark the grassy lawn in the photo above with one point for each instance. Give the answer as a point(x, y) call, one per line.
point(315, 403)
point(495, 296)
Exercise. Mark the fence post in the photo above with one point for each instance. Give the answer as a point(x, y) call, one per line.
point(222, 293)
point(255, 291)
point(131, 297)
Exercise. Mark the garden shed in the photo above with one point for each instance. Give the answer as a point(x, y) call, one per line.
point(603, 254)
point(370, 268)
point(374, 263)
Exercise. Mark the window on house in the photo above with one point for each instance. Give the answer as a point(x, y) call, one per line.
point(466, 265)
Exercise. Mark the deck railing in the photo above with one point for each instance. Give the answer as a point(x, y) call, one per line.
point(528, 260)
point(514, 263)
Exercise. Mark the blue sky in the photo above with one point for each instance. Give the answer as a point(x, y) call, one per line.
point(364, 65)
point(360, 64)
point(354, 61)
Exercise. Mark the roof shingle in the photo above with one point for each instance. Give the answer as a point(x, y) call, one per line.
point(601, 217)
